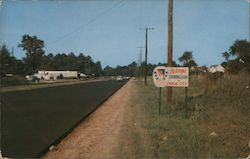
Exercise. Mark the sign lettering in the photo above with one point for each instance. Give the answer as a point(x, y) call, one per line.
point(171, 76)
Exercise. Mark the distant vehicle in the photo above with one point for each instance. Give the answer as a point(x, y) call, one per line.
point(126, 77)
point(9, 75)
point(82, 75)
point(119, 78)
point(48, 75)
point(32, 78)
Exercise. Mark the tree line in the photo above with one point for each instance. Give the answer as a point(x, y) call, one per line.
point(133, 69)
point(36, 59)
point(237, 58)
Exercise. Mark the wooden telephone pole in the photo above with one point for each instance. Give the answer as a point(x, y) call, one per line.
point(170, 44)
point(146, 55)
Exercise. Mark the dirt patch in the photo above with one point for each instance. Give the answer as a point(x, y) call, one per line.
point(97, 136)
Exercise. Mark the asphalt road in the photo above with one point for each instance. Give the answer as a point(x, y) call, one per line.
point(33, 120)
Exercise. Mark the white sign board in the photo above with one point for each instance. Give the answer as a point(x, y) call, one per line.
point(171, 76)
point(160, 76)
point(178, 76)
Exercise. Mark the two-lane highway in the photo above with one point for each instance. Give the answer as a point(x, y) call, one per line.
point(32, 120)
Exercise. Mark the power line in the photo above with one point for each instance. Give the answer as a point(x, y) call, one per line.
point(88, 22)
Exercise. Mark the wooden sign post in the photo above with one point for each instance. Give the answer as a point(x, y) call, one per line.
point(171, 77)
point(160, 79)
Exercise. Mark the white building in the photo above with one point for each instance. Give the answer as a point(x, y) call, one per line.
point(216, 68)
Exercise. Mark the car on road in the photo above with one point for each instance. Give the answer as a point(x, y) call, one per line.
point(126, 77)
point(32, 78)
point(119, 78)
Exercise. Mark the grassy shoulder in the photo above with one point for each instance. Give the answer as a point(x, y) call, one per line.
point(217, 125)
point(139, 132)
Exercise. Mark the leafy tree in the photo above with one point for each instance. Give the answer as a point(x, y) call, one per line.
point(80, 62)
point(4, 59)
point(71, 61)
point(34, 52)
point(187, 59)
point(241, 49)
point(98, 69)
point(7, 62)
point(60, 62)
point(19, 67)
point(47, 62)
point(239, 53)
point(88, 63)
point(150, 69)
point(234, 66)
point(108, 71)
point(129, 70)
point(132, 69)
point(174, 64)
point(121, 70)
point(226, 55)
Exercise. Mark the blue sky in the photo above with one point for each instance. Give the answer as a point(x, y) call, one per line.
point(111, 30)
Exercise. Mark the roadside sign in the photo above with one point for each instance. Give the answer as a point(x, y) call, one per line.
point(171, 76)
point(178, 76)
point(160, 76)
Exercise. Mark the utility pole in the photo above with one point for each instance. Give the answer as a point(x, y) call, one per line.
point(12, 52)
point(146, 56)
point(170, 44)
point(139, 61)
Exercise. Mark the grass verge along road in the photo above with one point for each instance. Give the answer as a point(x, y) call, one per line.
point(217, 123)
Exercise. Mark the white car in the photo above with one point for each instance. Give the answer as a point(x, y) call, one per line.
point(119, 78)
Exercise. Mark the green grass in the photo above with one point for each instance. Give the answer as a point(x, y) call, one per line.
point(223, 108)
point(139, 130)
